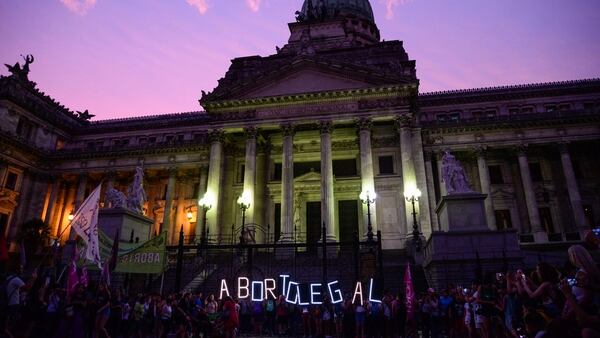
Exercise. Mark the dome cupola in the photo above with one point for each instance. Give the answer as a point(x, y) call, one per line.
point(326, 9)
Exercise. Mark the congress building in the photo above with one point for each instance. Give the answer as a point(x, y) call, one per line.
point(297, 136)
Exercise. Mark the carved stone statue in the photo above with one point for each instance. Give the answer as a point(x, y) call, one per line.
point(136, 196)
point(454, 175)
point(116, 199)
point(85, 115)
point(17, 71)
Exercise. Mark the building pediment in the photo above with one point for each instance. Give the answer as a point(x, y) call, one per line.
point(305, 81)
point(310, 177)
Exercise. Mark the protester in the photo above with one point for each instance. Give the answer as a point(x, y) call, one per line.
point(508, 304)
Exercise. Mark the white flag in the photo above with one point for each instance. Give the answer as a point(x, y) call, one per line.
point(85, 224)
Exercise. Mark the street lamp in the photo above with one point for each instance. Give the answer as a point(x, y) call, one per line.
point(412, 195)
point(244, 203)
point(206, 204)
point(71, 216)
point(367, 197)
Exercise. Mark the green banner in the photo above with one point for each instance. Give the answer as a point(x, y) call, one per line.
point(147, 257)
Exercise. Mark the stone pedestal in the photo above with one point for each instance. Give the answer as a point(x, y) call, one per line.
point(461, 212)
point(111, 220)
point(466, 249)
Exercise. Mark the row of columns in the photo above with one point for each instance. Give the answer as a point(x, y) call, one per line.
point(535, 224)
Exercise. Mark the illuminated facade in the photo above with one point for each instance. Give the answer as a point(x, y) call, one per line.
point(301, 133)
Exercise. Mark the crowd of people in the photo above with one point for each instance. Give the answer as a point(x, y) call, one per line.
point(541, 303)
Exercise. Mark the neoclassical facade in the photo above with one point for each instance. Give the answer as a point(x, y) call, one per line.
point(301, 133)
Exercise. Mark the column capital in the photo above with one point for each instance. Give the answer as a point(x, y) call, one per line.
point(325, 127)
point(251, 132)
point(521, 149)
point(216, 135)
point(364, 123)
point(403, 121)
point(563, 147)
point(172, 170)
point(288, 129)
point(481, 150)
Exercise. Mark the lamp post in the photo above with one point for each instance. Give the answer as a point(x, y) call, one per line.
point(244, 203)
point(206, 204)
point(412, 195)
point(367, 197)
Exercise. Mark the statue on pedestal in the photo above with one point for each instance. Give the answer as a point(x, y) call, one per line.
point(454, 175)
point(115, 199)
point(136, 196)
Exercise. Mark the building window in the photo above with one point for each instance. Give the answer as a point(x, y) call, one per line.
point(550, 108)
point(514, 111)
point(277, 168)
point(536, 172)
point(180, 138)
point(241, 172)
point(301, 168)
point(152, 140)
point(23, 128)
point(477, 114)
point(386, 165)
point(441, 118)
point(169, 138)
point(454, 117)
point(564, 106)
point(195, 190)
point(503, 220)
point(143, 141)
point(546, 219)
point(91, 145)
point(495, 174)
point(277, 225)
point(490, 114)
point(527, 110)
point(11, 181)
point(345, 168)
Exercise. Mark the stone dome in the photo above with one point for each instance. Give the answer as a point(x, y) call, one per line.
point(340, 8)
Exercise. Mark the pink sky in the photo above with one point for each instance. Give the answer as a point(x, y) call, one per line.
point(141, 57)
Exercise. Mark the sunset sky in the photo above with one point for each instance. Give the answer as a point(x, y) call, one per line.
point(121, 58)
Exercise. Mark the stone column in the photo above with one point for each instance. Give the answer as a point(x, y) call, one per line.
point(166, 223)
point(441, 183)
point(431, 190)
point(52, 201)
point(79, 198)
point(327, 199)
point(530, 199)
point(214, 180)
point(366, 170)
point(409, 180)
point(573, 189)
point(200, 227)
point(80, 195)
point(420, 177)
point(250, 172)
point(20, 211)
point(484, 179)
point(287, 184)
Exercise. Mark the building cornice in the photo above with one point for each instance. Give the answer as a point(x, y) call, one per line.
point(502, 93)
point(400, 90)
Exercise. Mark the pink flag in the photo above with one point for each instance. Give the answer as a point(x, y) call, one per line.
point(83, 279)
point(410, 294)
point(72, 277)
